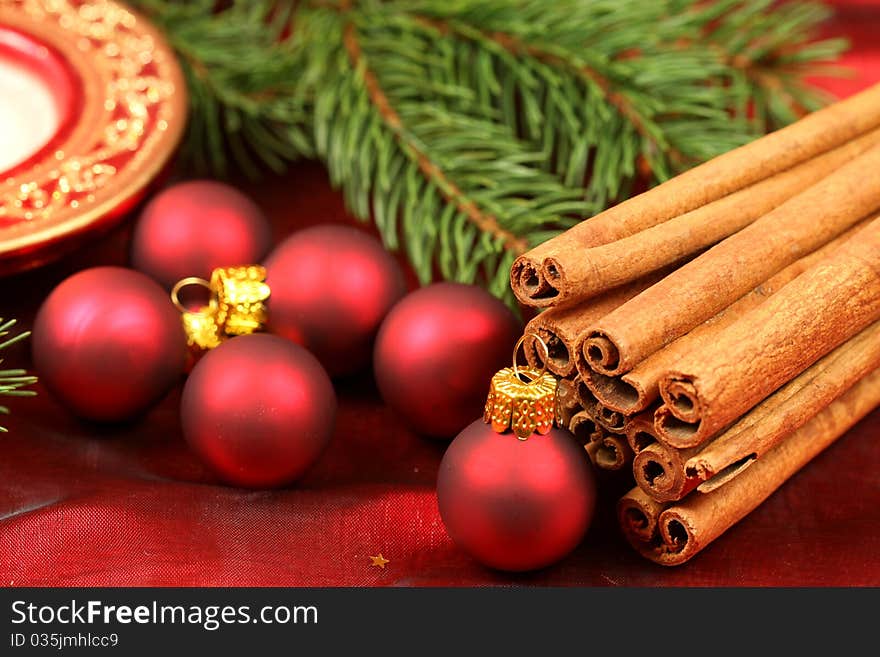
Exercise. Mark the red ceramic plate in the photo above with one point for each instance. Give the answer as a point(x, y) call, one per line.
point(92, 106)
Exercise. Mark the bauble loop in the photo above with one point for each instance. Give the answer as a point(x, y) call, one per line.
point(236, 306)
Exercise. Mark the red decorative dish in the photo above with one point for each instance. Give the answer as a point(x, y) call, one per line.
point(92, 106)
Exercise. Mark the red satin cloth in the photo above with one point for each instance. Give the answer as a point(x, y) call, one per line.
point(81, 505)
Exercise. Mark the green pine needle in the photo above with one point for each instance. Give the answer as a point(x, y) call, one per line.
point(471, 130)
point(13, 382)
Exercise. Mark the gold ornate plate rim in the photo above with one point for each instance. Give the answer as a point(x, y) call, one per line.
point(131, 119)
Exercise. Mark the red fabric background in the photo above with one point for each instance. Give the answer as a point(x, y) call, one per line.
point(80, 505)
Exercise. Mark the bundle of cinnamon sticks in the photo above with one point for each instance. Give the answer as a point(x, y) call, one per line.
point(720, 330)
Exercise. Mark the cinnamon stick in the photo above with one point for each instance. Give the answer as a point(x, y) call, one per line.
point(567, 402)
point(712, 281)
point(572, 416)
point(640, 431)
point(638, 516)
point(659, 470)
point(667, 474)
point(773, 343)
point(548, 273)
point(687, 527)
point(606, 450)
point(608, 419)
point(787, 409)
point(585, 397)
point(609, 265)
point(584, 428)
point(636, 390)
point(610, 452)
point(561, 328)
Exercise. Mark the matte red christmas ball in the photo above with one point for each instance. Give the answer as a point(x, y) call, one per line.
point(191, 228)
point(108, 343)
point(514, 504)
point(259, 410)
point(436, 353)
point(331, 288)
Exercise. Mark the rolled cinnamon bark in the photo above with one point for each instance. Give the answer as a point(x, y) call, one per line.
point(561, 328)
point(630, 258)
point(712, 281)
point(659, 470)
point(606, 418)
point(584, 428)
point(606, 450)
point(567, 403)
point(636, 390)
point(585, 397)
point(640, 431)
point(638, 515)
point(687, 527)
point(773, 343)
point(610, 452)
point(553, 271)
point(787, 409)
point(668, 474)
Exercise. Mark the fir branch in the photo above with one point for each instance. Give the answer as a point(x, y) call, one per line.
point(248, 97)
point(13, 382)
point(594, 105)
point(459, 188)
point(469, 130)
point(772, 49)
point(486, 223)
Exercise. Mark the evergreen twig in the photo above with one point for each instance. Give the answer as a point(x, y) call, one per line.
point(471, 130)
point(13, 382)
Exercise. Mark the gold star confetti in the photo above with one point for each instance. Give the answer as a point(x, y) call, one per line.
point(380, 561)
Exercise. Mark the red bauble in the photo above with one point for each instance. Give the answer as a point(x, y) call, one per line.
point(108, 343)
point(193, 227)
point(259, 410)
point(331, 288)
point(515, 504)
point(436, 353)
